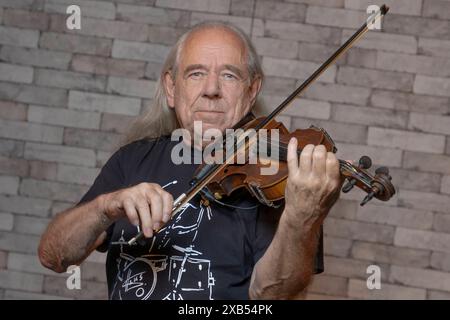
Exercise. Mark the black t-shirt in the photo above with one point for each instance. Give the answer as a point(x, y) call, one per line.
point(204, 252)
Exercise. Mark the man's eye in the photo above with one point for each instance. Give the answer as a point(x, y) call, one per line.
point(197, 74)
point(229, 76)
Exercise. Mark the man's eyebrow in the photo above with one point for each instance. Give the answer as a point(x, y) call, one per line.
point(191, 67)
point(235, 70)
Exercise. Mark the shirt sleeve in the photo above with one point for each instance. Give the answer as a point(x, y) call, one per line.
point(110, 178)
point(266, 225)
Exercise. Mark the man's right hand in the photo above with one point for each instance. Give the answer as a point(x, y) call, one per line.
point(145, 204)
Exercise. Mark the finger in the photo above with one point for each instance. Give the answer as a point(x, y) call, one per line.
point(332, 168)
point(167, 204)
point(156, 209)
point(131, 212)
point(145, 217)
point(292, 157)
point(319, 159)
point(306, 158)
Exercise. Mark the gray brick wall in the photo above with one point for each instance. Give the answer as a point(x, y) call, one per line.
point(66, 98)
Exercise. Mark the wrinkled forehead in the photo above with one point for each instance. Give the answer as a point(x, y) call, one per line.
point(213, 44)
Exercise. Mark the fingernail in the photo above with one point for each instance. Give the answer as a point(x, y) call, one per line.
point(148, 232)
point(156, 226)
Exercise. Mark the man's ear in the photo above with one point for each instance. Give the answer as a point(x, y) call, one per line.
point(169, 86)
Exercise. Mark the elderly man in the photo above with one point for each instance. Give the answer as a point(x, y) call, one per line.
point(208, 251)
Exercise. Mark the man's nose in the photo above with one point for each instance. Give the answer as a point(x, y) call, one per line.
point(212, 88)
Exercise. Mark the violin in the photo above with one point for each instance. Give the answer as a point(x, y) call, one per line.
point(219, 180)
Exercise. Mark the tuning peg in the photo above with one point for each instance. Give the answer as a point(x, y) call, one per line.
point(382, 170)
point(349, 185)
point(367, 198)
point(364, 162)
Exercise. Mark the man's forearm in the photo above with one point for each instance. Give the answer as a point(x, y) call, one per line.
point(287, 266)
point(73, 235)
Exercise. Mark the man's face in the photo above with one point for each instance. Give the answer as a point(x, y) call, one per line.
point(212, 81)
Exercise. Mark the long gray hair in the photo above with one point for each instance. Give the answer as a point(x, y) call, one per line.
point(159, 119)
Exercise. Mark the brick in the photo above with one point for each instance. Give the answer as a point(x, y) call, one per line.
point(403, 217)
point(11, 148)
point(19, 37)
point(26, 19)
point(29, 263)
point(415, 180)
point(64, 117)
point(107, 66)
point(52, 190)
point(322, 3)
point(3, 259)
point(43, 170)
point(409, 102)
point(152, 70)
point(164, 35)
point(338, 93)
point(69, 80)
point(329, 285)
point(429, 123)
point(13, 166)
point(105, 141)
point(93, 271)
point(131, 87)
point(302, 32)
point(22, 295)
point(18, 243)
point(429, 279)
point(337, 131)
point(359, 230)
point(89, 289)
point(359, 57)
point(421, 161)
point(351, 268)
point(406, 7)
point(244, 23)
point(151, 15)
point(276, 48)
point(103, 28)
point(242, 8)
point(432, 86)
point(75, 43)
point(30, 225)
point(445, 185)
point(440, 260)
point(344, 209)
point(103, 103)
point(30, 131)
point(435, 66)
point(278, 86)
point(441, 222)
point(9, 185)
point(384, 41)
point(94, 9)
point(438, 295)
point(60, 206)
point(58, 153)
point(369, 116)
point(139, 51)
point(258, 27)
point(6, 221)
point(97, 257)
point(76, 174)
point(276, 10)
point(35, 57)
point(375, 78)
point(358, 289)
point(424, 200)
point(295, 69)
point(416, 26)
point(380, 156)
point(23, 4)
point(115, 123)
point(20, 281)
point(15, 73)
point(299, 107)
point(317, 52)
point(33, 94)
point(434, 47)
point(12, 110)
point(25, 205)
point(217, 6)
point(406, 140)
point(338, 247)
point(436, 9)
point(421, 239)
point(102, 157)
point(335, 17)
point(379, 253)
